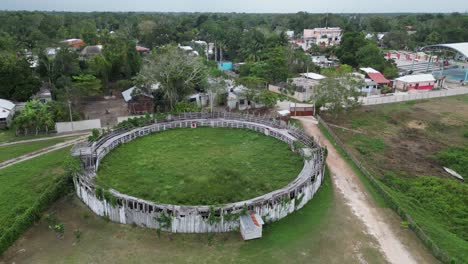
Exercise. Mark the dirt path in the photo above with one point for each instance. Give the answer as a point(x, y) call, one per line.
point(374, 218)
point(40, 152)
point(43, 138)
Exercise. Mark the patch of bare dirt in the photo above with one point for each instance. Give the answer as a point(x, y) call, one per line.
point(416, 124)
point(105, 109)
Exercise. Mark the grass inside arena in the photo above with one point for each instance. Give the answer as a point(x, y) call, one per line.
point(208, 166)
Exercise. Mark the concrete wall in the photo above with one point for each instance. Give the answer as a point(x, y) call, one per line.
point(77, 126)
point(297, 95)
point(194, 219)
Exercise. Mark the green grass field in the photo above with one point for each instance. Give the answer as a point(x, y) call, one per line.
point(405, 145)
point(200, 166)
point(13, 151)
point(324, 231)
point(22, 183)
point(9, 136)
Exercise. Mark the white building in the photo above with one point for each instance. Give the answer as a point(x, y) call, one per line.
point(417, 82)
point(251, 226)
point(369, 87)
point(7, 111)
point(329, 36)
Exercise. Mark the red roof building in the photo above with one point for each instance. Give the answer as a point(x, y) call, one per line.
point(375, 76)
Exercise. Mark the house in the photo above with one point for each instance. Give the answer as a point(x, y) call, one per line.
point(251, 226)
point(200, 99)
point(225, 65)
point(415, 82)
point(237, 99)
point(375, 76)
point(370, 87)
point(7, 111)
point(90, 51)
point(323, 61)
point(304, 85)
point(189, 50)
point(328, 36)
point(44, 95)
point(142, 49)
point(139, 100)
point(75, 43)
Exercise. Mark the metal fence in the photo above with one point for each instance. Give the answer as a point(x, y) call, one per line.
point(431, 245)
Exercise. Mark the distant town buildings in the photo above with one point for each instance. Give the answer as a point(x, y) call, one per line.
point(329, 36)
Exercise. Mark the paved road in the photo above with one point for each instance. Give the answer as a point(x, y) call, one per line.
point(41, 152)
point(375, 219)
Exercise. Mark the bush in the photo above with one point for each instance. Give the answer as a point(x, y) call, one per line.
point(32, 214)
point(182, 107)
point(94, 135)
point(134, 122)
point(455, 158)
point(122, 85)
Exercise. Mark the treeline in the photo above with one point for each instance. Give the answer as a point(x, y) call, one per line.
point(260, 40)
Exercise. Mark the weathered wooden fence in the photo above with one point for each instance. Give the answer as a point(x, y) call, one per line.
point(272, 206)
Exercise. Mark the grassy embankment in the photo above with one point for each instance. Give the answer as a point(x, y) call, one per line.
point(404, 146)
point(26, 189)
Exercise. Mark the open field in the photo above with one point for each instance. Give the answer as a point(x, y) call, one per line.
point(9, 136)
point(200, 166)
point(13, 151)
point(324, 231)
point(405, 146)
point(26, 189)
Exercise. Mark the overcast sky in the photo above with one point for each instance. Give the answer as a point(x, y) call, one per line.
point(250, 6)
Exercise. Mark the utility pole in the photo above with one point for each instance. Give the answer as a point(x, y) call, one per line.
point(71, 116)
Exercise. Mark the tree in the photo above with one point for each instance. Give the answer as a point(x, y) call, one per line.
point(17, 79)
point(86, 85)
point(177, 73)
point(35, 117)
point(351, 42)
point(214, 88)
point(337, 92)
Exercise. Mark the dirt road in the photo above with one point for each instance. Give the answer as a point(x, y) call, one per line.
point(43, 138)
point(374, 218)
point(41, 152)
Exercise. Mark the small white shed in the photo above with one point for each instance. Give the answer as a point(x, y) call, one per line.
point(251, 226)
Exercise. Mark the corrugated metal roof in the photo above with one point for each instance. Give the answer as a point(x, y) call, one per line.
point(127, 94)
point(8, 105)
point(378, 77)
point(461, 47)
point(314, 76)
point(417, 78)
point(369, 70)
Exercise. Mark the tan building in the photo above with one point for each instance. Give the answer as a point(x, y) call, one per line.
point(329, 36)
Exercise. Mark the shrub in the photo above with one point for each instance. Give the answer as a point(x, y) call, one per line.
point(32, 214)
point(455, 158)
point(95, 133)
point(181, 107)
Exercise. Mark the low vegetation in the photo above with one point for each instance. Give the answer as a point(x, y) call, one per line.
point(26, 189)
point(16, 150)
point(200, 166)
point(405, 145)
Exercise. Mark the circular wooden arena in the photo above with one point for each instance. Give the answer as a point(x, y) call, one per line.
point(200, 166)
point(199, 172)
